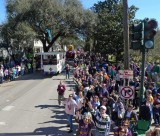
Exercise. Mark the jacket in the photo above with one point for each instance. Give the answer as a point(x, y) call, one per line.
point(133, 116)
point(145, 113)
point(61, 89)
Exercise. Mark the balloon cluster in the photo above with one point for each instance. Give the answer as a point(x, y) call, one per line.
point(70, 47)
point(70, 53)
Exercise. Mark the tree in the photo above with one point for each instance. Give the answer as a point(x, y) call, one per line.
point(109, 30)
point(6, 43)
point(46, 20)
point(153, 54)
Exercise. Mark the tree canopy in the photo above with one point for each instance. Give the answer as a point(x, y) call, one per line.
point(66, 21)
point(47, 20)
point(109, 30)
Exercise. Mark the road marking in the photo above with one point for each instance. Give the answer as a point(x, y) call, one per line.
point(7, 108)
point(7, 85)
point(2, 123)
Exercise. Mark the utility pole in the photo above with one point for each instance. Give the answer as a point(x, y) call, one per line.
point(126, 34)
point(143, 40)
point(149, 29)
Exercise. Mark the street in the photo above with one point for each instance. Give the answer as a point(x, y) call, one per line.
point(104, 58)
point(28, 106)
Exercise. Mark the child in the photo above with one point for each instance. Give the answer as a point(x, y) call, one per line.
point(6, 74)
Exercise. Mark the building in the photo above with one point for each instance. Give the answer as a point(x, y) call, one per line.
point(38, 47)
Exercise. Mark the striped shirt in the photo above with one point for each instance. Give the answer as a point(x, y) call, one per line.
point(102, 124)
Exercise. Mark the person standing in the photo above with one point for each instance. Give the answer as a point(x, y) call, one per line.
point(105, 103)
point(29, 67)
point(22, 68)
point(102, 121)
point(6, 74)
point(123, 129)
point(118, 111)
point(34, 65)
point(130, 114)
point(11, 77)
point(146, 111)
point(79, 99)
point(156, 109)
point(19, 70)
point(1, 75)
point(61, 90)
point(153, 89)
point(70, 106)
point(67, 71)
point(86, 125)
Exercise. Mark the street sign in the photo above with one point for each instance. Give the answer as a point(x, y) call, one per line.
point(127, 74)
point(127, 92)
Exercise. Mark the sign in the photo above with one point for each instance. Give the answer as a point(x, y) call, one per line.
point(128, 74)
point(127, 92)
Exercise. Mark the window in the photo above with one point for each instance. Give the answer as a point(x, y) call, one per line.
point(50, 60)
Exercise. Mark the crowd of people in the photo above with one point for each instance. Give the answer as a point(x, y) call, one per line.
point(96, 105)
point(11, 70)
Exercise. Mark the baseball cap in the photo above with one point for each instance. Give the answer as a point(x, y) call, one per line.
point(103, 107)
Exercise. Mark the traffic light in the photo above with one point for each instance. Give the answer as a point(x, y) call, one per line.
point(137, 36)
point(150, 30)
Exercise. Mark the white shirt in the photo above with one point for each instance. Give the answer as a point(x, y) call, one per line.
point(80, 103)
point(79, 100)
point(1, 73)
point(19, 68)
point(70, 107)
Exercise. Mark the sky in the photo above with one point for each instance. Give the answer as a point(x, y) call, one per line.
point(2, 11)
point(147, 8)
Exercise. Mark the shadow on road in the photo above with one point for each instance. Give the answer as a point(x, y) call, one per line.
point(47, 106)
point(46, 131)
point(58, 118)
point(59, 121)
point(32, 76)
point(39, 76)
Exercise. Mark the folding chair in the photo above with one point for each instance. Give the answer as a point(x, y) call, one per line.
point(142, 127)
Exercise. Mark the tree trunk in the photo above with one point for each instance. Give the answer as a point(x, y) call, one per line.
point(13, 57)
point(45, 47)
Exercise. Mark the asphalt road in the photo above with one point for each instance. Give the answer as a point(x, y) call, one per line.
point(28, 107)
